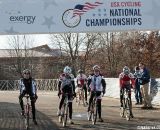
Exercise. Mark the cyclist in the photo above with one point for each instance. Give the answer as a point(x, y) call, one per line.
point(126, 79)
point(27, 85)
point(66, 85)
point(97, 86)
point(81, 82)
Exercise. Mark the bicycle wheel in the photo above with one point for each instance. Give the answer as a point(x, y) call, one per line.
point(83, 98)
point(127, 110)
point(94, 115)
point(89, 115)
point(27, 117)
point(65, 115)
point(123, 108)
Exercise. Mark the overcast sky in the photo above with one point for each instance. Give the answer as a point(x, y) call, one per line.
point(39, 39)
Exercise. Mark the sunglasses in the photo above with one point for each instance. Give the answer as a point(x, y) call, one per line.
point(27, 73)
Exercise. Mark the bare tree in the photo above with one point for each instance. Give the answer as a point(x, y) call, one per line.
point(21, 55)
point(75, 48)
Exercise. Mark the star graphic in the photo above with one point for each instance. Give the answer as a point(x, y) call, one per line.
point(48, 22)
point(154, 12)
point(47, 3)
point(10, 31)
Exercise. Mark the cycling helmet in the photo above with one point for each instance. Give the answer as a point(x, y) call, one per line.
point(26, 71)
point(96, 67)
point(80, 71)
point(136, 68)
point(126, 70)
point(67, 70)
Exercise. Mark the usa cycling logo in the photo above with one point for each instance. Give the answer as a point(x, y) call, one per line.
point(72, 17)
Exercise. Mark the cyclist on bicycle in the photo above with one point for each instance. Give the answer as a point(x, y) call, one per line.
point(126, 79)
point(81, 82)
point(66, 85)
point(28, 86)
point(97, 86)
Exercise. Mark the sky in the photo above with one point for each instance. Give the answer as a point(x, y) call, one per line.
point(39, 39)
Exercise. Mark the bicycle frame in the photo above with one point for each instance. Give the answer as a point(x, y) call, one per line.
point(27, 111)
point(93, 110)
point(64, 115)
point(126, 105)
point(81, 95)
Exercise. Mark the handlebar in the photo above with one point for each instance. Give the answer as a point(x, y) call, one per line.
point(26, 96)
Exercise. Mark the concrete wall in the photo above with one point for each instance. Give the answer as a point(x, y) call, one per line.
point(112, 89)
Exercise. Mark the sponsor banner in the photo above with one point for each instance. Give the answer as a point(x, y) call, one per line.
point(60, 16)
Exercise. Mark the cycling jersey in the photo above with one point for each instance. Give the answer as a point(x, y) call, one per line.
point(27, 85)
point(66, 83)
point(81, 79)
point(96, 83)
point(126, 80)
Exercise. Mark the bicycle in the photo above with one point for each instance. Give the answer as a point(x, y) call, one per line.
point(126, 109)
point(93, 109)
point(27, 108)
point(80, 95)
point(64, 114)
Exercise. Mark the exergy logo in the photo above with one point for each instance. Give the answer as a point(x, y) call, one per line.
point(25, 19)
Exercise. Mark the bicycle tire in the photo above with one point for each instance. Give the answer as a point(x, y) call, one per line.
point(65, 115)
point(123, 108)
point(83, 98)
point(89, 115)
point(94, 114)
point(127, 110)
point(27, 117)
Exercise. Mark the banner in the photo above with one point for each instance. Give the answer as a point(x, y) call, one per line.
point(62, 16)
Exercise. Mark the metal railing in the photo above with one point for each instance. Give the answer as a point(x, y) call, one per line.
point(42, 84)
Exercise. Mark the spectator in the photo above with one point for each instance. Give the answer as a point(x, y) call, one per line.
point(144, 85)
point(138, 94)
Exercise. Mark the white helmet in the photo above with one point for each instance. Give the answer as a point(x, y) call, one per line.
point(126, 70)
point(67, 70)
point(96, 67)
point(26, 71)
point(80, 71)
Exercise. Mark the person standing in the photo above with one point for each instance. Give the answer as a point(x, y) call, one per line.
point(144, 85)
point(138, 94)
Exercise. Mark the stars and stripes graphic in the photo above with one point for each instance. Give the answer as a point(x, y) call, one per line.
point(81, 9)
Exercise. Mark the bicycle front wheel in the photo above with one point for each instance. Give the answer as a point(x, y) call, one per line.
point(94, 114)
point(65, 115)
point(127, 110)
point(27, 117)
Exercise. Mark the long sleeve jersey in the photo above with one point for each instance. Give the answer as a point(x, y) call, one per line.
point(81, 79)
point(96, 82)
point(126, 79)
point(66, 80)
point(28, 85)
